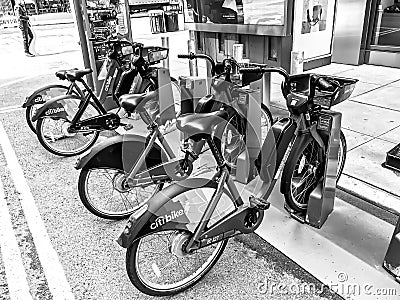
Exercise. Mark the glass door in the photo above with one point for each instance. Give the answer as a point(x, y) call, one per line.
point(386, 27)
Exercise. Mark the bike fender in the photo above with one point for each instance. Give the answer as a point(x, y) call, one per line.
point(120, 152)
point(40, 95)
point(301, 139)
point(56, 108)
point(163, 212)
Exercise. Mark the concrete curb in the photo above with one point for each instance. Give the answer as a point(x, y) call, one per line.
point(52, 22)
point(370, 193)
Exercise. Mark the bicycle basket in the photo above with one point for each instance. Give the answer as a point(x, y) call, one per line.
point(154, 54)
point(344, 88)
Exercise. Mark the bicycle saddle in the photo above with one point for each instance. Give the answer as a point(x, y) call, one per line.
point(201, 126)
point(130, 102)
point(61, 74)
point(75, 74)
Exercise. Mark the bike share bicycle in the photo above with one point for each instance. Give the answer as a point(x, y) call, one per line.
point(115, 60)
point(121, 173)
point(70, 124)
point(179, 234)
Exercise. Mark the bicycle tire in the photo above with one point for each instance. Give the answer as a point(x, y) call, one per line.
point(44, 138)
point(112, 210)
point(30, 110)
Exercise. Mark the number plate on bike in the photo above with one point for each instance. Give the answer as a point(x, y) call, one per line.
point(324, 123)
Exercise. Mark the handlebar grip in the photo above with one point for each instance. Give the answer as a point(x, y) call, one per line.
point(324, 84)
point(250, 70)
point(189, 56)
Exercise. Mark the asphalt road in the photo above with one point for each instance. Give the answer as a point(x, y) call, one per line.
point(93, 263)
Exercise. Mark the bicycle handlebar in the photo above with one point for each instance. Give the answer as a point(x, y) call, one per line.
point(192, 55)
point(265, 69)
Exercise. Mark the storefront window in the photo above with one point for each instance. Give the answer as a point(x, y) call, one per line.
point(387, 24)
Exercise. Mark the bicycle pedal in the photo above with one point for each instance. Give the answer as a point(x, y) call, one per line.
point(259, 203)
point(128, 127)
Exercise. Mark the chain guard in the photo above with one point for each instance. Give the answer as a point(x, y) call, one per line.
point(108, 121)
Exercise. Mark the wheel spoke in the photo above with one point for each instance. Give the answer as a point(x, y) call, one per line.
point(170, 271)
point(104, 193)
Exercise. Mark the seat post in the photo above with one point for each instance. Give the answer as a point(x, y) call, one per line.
point(147, 119)
point(216, 152)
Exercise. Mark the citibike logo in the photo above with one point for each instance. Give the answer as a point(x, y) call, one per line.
point(162, 220)
point(52, 111)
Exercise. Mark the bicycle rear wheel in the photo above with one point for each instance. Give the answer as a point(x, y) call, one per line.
point(47, 93)
point(53, 133)
point(102, 193)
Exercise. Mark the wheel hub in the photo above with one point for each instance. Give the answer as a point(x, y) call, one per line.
point(119, 183)
point(65, 128)
point(178, 243)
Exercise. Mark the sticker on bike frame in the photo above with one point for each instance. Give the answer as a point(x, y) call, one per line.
point(103, 71)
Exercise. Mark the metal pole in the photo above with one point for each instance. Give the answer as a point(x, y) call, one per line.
point(165, 44)
point(128, 21)
point(82, 40)
point(193, 71)
point(266, 89)
point(90, 51)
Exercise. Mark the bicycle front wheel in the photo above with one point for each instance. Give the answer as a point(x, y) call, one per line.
point(341, 155)
point(102, 192)
point(305, 170)
point(55, 137)
point(233, 141)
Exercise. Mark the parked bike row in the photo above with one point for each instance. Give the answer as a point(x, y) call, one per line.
point(179, 224)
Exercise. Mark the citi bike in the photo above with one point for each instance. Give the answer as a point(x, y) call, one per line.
point(122, 79)
point(69, 125)
point(175, 238)
point(123, 172)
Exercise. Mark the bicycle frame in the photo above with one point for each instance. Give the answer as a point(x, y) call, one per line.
point(133, 178)
point(171, 170)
